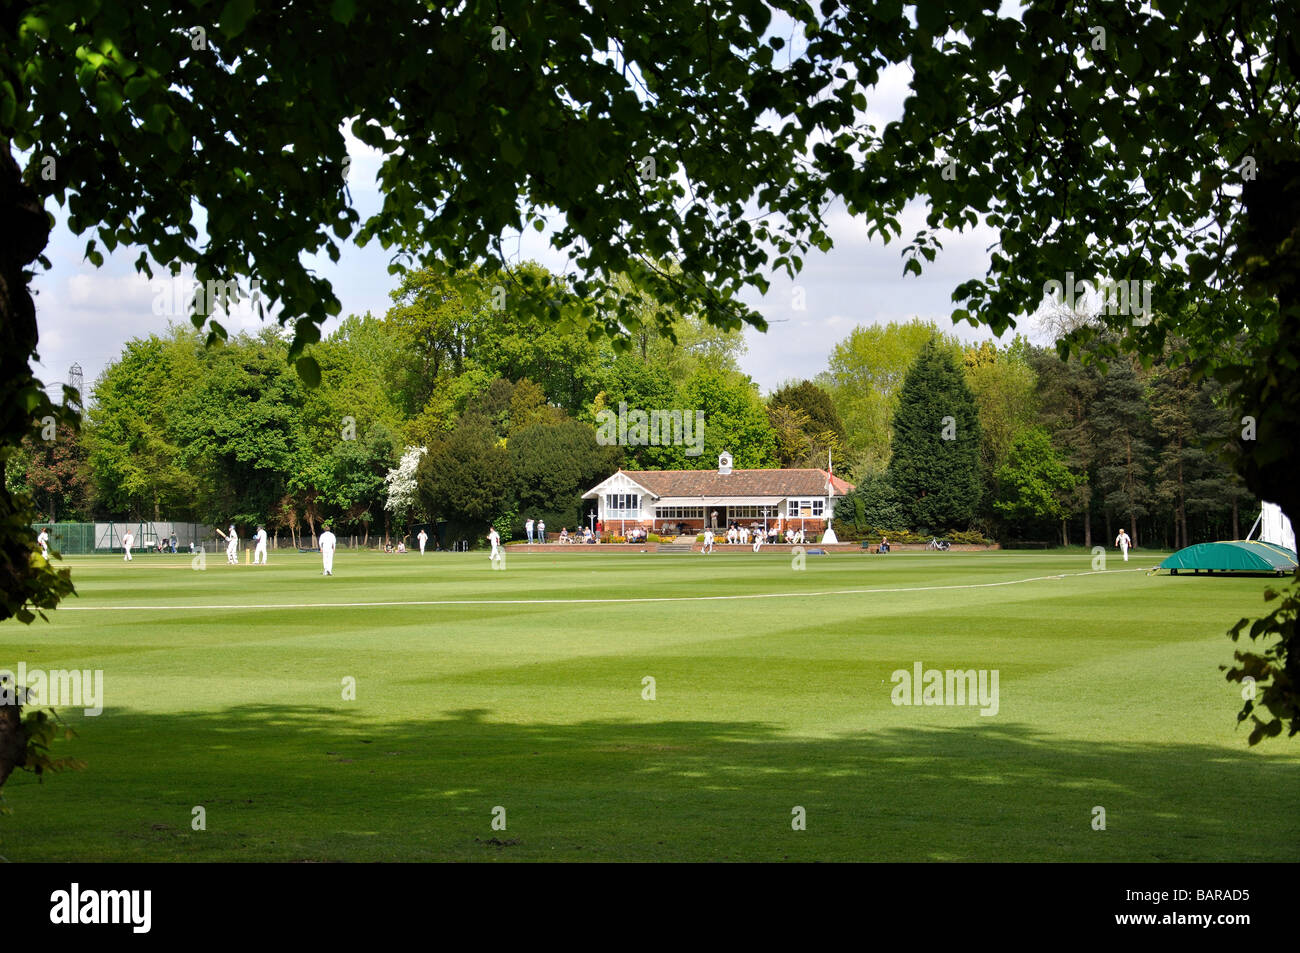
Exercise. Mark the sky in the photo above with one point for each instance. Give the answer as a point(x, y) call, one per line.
point(86, 314)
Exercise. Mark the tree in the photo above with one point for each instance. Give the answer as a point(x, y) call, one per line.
point(1066, 390)
point(872, 506)
point(553, 465)
point(133, 447)
point(735, 420)
point(465, 479)
point(935, 467)
point(1034, 482)
point(1192, 477)
point(351, 482)
point(1122, 419)
point(401, 484)
point(638, 385)
point(57, 476)
point(808, 429)
point(239, 429)
point(1005, 391)
point(866, 372)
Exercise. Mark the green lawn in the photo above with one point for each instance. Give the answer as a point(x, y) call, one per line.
point(773, 690)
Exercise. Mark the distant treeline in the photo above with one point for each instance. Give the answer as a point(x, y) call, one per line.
point(1008, 441)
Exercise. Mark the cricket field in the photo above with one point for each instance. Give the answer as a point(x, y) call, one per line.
point(676, 707)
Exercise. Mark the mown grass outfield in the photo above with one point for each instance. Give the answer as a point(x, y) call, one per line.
point(224, 689)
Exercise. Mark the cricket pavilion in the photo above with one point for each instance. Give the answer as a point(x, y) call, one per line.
point(686, 501)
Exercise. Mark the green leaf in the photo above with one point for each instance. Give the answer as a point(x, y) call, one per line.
point(235, 17)
point(343, 10)
point(309, 371)
point(510, 152)
point(137, 86)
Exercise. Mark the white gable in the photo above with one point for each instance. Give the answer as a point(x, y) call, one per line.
point(620, 482)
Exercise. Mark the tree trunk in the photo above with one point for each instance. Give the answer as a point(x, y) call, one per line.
point(13, 739)
point(1087, 525)
point(1236, 531)
point(24, 233)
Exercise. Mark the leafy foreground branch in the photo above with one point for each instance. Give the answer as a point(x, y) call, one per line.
point(25, 738)
point(1270, 677)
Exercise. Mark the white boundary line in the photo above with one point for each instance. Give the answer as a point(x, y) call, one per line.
point(535, 602)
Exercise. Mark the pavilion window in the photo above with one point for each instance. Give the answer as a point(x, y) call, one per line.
point(622, 506)
point(679, 512)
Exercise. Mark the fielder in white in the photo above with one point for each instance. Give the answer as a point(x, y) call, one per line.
point(423, 538)
point(44, 540)
point(495, 539)
point(259, 552)
point(708, 541)
point(128, 540)
point(327, 544)
point(1123, 542)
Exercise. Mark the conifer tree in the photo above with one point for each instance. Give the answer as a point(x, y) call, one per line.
point(935, 467)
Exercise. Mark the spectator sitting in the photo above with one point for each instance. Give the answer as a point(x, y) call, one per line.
point(564, 534)
point(586, 534)
point(401, 547)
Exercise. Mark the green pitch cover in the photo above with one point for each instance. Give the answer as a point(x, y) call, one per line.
point(1232, 556)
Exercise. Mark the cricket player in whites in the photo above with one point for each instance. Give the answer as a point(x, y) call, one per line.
point(128, 540)
point(423, 538)
point(1123, 542)
point(44, 540)
point(232, 545)
point(327, 543)
point(496, 557)
point(259, 552)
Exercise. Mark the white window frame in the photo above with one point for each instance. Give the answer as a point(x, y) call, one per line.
point(679, 512)
point(617, 506)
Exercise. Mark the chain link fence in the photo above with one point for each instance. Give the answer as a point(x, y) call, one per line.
point(83, 539)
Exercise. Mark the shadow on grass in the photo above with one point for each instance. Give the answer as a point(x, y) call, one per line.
point(285, 782)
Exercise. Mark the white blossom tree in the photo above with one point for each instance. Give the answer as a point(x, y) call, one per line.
point(400, 483)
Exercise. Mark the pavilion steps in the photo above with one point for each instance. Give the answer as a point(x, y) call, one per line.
point(682, 544)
